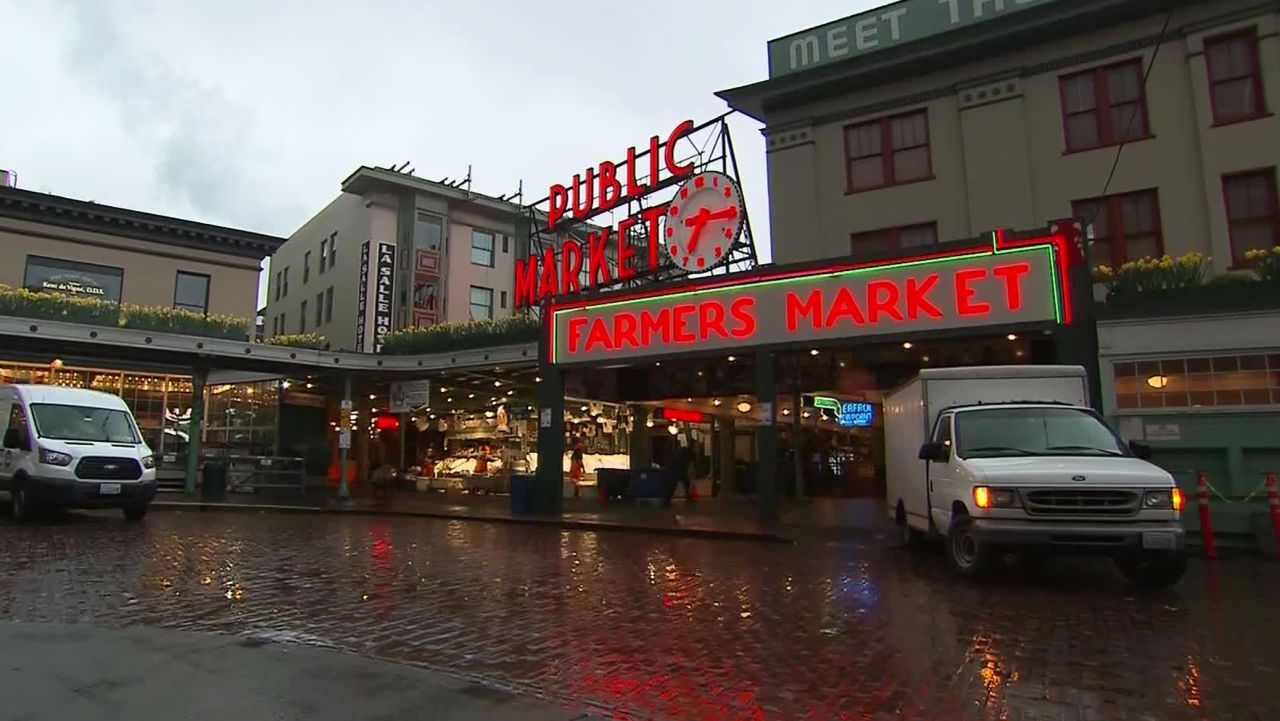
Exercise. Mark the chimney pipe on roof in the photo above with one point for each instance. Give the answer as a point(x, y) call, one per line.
point(8, 178)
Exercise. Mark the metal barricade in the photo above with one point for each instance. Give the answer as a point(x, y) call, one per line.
point(252, 474)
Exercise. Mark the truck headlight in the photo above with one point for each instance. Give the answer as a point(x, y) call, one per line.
point(986, 497)
point(148, 461)
point(1163, 499)
point(54, 458)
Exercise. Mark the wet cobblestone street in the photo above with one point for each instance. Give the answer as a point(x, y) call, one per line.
point(656, 626)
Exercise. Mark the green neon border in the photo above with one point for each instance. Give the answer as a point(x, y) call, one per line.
point(1048, 249)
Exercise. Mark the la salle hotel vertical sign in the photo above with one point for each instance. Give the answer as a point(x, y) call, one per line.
point(377, 288)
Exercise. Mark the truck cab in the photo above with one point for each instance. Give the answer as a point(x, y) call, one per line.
point(1044, 473)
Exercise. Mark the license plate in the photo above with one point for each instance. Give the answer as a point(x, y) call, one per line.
point(109, 489)
point(1159, 540)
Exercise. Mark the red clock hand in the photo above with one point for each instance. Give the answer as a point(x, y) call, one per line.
point(700, 220)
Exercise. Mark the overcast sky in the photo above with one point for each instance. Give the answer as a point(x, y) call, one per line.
point(249, 113)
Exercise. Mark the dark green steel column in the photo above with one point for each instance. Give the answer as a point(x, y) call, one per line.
point(549, 478)
point(767, 446)
point(1077, 343)
point(195, 428)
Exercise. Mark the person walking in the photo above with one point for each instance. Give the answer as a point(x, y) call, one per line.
point(678, 470)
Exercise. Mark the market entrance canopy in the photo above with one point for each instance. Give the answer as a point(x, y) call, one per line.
point(1001, 283)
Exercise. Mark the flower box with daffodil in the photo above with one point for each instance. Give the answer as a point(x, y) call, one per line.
point(1180, 286)
point(23, 303)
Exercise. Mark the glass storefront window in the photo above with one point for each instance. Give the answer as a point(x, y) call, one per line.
point(1181, 383)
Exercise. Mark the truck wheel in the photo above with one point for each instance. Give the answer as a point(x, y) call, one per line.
point(1153, 570)
point(967, 555)
point(20, 502)
point(135, 513)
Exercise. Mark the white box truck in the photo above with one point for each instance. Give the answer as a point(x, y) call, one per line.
point(1011, 458)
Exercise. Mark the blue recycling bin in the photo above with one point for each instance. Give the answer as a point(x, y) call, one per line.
point(649, 485)
point(522, 498)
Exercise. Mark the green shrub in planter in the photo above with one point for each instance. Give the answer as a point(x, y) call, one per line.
point(462, 336)
point(22, 303)
point(184, 322)
point(314, 341)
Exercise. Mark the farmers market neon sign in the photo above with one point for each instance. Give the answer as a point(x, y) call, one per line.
point(1003, 283)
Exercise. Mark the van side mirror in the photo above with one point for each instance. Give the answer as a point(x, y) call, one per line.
point(936, 452)
point(1141, 449)
point(13, 440)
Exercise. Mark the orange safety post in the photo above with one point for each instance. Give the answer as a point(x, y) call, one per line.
point(1206, 523)
point(1273, 500)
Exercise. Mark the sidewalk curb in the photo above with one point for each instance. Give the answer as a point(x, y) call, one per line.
point(543, 521)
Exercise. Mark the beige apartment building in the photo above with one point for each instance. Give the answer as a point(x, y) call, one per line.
point(436, 253)
point(928, 121)
point(50, 243)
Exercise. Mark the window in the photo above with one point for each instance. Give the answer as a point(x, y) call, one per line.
point(191, 292)
point(1104, 106)
point(283, 327)
point(333, 248)
point(306, 267)
point(481, 303)
point(502, 303)
point(328, 305)
point(428, 231)
point(1125, 227)
point(1018, 432)
point(285, 291)
point(73, 278)
point(319, 309)
point(482, 248)
point(506, 244)
point(278, 285)
point(1253, 216)
point(1246, 380)
point(302, 318)
point(82, 423)
point(18, 421)
point(1235, 77)
point(275, 325)
point(324, 254)
point(888, 151)
point(888, 240)
point(942, 434)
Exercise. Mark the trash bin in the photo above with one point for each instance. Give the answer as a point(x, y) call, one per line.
point(214, 485)
point(521, 494)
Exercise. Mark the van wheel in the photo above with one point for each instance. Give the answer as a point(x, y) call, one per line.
point(1152, 570)
point(135, 513)
point(967, 555)
point(20, 503)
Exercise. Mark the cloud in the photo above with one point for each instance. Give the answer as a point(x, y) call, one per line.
point(203, 143)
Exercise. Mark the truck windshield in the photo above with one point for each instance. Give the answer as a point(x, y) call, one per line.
point(1005, 432)
point(82, 423)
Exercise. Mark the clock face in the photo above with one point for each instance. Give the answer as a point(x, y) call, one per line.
point(704, 220)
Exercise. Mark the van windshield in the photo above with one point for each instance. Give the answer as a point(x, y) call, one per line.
point(1007, 432)
point(82, 423)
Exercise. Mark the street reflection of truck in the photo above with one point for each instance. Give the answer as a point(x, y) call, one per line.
point(1011, 458)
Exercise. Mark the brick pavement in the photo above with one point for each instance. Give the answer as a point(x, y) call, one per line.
point(653, 626)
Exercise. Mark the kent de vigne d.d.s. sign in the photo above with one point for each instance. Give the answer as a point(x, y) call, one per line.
point(1003, 284)
point(693, 231)
point(883, 28)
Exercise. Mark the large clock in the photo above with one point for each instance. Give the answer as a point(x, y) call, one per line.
point(704, 220)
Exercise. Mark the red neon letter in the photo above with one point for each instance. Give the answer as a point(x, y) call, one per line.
point(882, 297)
point(634, 188)
point(965, 304)
point(576, 324)
point(845, 306)
point(653, 160)
point(527, 281)
point(655, 324)
point(918, 297)
point(681, 315)
point(610, 188)
point(598, 335)
point(1012, 275)
point(597, 265)
point(557, 202)
point(811, 308)
point(743, 311)
point(650, 217)
point(570, 266)
point(711, 320)
point(624, 329)
point(547, 284)
point(578, 210)
point(626, 254)
point(680, 131)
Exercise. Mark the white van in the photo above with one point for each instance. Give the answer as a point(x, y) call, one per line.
point(72, 448)
point(1012, 458)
